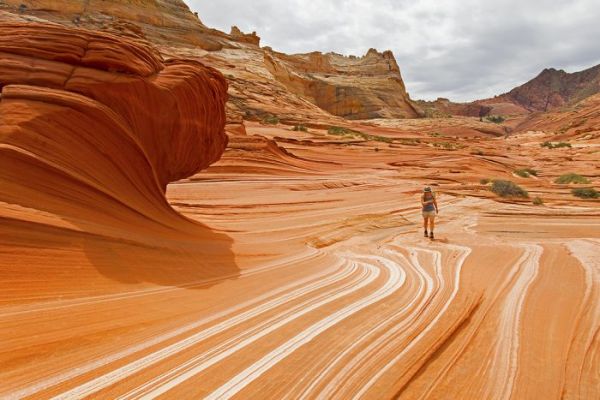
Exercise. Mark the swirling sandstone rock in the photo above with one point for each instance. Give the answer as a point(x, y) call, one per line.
point(93, 127)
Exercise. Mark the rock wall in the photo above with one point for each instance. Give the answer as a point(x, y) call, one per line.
point(351, 87)
point(93, 127)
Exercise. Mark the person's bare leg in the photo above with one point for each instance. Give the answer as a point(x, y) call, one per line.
point(431, 225)
point(425, 222)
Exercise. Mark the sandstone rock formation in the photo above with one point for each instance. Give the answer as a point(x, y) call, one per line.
point(125, 81)
point(351, 87)
point(442, 107)
point(238, 35)
point(166, 21)
point(92, 129)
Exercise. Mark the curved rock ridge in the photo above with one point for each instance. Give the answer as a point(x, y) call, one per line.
point(93, 127)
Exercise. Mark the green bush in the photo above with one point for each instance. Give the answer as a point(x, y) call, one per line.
point(484, 181)
point(558, 145)
point(300, 127)
point(338, 130)
point(508, 189)
point(525, 172)
point(538, 202)
point(270, 120)
point(586, 193)
point(571, 178)
point(497, 119)
point(448, 145)
point(410, 142)
point(378, 138)
point(562, 144)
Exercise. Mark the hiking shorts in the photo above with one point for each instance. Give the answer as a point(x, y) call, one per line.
point(428, 214)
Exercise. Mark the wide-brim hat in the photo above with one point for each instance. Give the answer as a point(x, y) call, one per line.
point(427, 189)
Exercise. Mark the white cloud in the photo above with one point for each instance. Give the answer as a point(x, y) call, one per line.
point(461, 49)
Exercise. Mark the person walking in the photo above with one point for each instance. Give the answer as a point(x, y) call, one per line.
point(430, 209)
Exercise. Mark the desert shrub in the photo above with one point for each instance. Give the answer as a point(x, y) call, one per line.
point(410, 142)
point(525, 172)
point(558, 145)
point(448, 145)
point(562, 144)
point(508, 189)
point(300, 127)
point(378, 138)
point(270, 119)
point(435, 134)
point(497, 119)
point(485, 181)
point(586, 193)
point(571, 178)
point(538, 202)
point(338, 130)
point(477, 152)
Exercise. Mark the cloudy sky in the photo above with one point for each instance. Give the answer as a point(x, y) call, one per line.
point(460, 49)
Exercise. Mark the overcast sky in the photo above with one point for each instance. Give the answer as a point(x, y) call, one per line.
point(460, 49)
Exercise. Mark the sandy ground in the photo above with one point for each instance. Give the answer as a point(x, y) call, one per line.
point(325, 287)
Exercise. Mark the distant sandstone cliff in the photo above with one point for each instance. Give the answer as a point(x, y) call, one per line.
point(549, 91)
point(351, 87)
point(262, 81)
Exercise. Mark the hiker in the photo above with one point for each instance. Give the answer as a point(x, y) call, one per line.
point(430, 209)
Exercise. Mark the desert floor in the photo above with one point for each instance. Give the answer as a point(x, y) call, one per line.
point(315, 280)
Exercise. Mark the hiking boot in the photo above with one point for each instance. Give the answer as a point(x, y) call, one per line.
point(431, 235)
point(425, 233)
